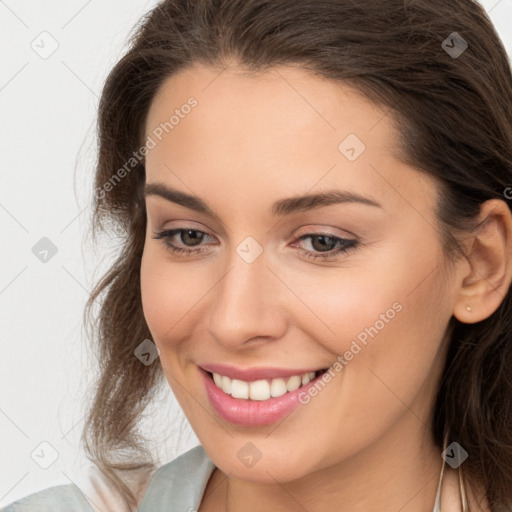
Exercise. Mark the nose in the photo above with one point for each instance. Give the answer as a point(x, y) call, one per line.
point(247, 305)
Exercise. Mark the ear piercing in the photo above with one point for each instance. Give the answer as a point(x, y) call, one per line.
point(468, 308)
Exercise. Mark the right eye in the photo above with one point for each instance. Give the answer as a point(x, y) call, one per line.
point(187, 235)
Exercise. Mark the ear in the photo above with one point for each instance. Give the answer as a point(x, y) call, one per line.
point(485, 277)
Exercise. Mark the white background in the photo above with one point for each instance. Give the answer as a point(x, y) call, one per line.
point(48, 109)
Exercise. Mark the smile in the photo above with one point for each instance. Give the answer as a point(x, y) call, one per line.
point(263, 389)
point(253, 398)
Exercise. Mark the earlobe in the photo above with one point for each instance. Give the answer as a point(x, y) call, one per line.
point(485, 284)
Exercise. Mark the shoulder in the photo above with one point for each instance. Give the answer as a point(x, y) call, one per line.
point(180, 484)
point(60, 498)
point(176, 486)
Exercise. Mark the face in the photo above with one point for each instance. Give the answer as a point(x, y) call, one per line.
point(251, 283)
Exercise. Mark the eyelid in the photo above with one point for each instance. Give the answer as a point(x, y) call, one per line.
point(181, 224)
point(320, 229)
point(160, 212)
point(344, 245)
point(299, 233)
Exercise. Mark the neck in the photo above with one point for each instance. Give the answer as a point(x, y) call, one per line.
point(399, 472)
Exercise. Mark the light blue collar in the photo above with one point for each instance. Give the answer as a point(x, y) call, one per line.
point(179, 485)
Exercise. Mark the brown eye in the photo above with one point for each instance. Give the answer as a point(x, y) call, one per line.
point(191, 235)
point(183, 243)
point(323, 243)
point(325, 246)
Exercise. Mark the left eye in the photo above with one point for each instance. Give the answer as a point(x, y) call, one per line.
point(327, 245)
point(324, 245)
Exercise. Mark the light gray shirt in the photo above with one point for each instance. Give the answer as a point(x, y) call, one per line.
point(175, 487)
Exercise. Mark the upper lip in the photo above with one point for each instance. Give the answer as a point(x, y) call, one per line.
point(253, 374)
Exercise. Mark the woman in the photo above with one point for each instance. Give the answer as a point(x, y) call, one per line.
point(315, 200)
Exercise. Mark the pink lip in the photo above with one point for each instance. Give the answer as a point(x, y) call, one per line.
point(252, 413)
point(253, 374)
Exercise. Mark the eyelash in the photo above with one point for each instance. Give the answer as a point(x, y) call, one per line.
point(345, 244)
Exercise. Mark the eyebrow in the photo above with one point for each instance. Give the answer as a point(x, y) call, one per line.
point(281, 207)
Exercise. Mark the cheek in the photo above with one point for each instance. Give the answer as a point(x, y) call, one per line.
point(388, 315)
point(389, 336)
point(395, 294)
point(173, 298)
point(392, 338)
point(161, 290)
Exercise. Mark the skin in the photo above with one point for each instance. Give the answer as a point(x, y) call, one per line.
point(255, 138)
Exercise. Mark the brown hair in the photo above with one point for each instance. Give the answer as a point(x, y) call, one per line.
point(454, 115)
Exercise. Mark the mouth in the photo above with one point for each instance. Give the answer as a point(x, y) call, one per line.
point(263, 389)
point(256, 397)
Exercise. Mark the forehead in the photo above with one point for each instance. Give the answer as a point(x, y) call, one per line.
point(285, 127)
point(283, 97)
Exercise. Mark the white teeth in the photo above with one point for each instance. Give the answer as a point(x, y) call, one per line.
point(217, 379)
point(309, 377)
point(278, 387)
point(239, 388)
point(293, 383)
point(261, 389)
point(226, 384)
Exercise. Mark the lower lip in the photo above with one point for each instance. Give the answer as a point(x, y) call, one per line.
point(252, 413)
